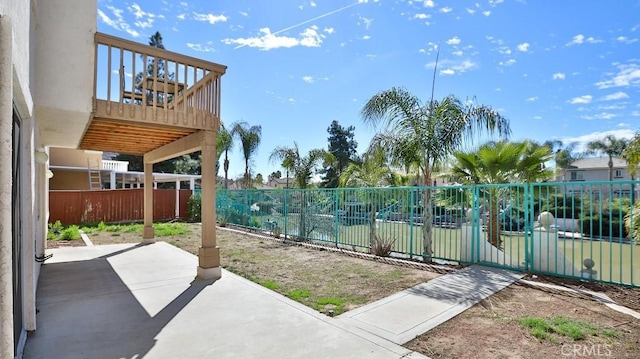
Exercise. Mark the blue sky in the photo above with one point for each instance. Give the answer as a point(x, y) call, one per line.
point(567, 70)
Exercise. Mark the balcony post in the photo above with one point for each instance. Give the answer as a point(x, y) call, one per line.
point(209, 253)
point(148, 234)
point(112, 180)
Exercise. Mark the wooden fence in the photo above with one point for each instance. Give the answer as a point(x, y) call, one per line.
point(77, 207)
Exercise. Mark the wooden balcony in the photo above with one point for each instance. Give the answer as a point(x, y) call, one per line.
point(145, 97)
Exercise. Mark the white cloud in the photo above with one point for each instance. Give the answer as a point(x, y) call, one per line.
point(457, 53)
point(453, 41)
point(507, 63)
point(244, 13)
point(558, 76)
point(200, 47)
point(577, 40)
point(626, 40)
point(268, 40)
point(428, 3)
point(524, 47)
point(581, 99)
point(118, 22)
point(599, 116)
point(307, 79)
point(313, 4)
point(532, 99)
point(421, 16)
point(537, 117)
point(453, 67)
point(144, 19)
point(329, 30)
point(366, 22)
point(582, 141)
point(615, 96)
point(628, 75)
point(486, 13)
point(446, 9)
point(470, 11)
point(495, 2)
point(181, 16)
point(366, 37)
point(210, 18)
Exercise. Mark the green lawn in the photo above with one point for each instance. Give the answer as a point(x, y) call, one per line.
point(615, 262)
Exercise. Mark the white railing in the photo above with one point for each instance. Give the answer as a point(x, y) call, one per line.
point(111, 165)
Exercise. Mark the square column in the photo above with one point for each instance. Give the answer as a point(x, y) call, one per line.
point(209, 253)
point(147, 233)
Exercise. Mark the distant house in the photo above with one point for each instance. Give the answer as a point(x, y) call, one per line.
point(592, 169)
point(280, 182)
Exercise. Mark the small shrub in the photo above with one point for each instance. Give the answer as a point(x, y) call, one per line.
point(70, 233)
point(194, 208)
point(382, 246)
point(632, 223)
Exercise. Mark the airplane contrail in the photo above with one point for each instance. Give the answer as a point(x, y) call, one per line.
point(310, 20)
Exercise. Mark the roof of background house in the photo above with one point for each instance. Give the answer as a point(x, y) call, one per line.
point(597, 162)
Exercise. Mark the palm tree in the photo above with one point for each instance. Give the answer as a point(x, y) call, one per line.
point(497, 163)
point(609, 145)
point(422, 135)
point(371, 172)
point(224, 143)
point(564, 157)
point(249, 141)
point(303, 169)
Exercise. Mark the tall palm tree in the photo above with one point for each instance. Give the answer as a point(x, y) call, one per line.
point(249, 141)
point(371, 172)
point(609, 145)
point(564, 157)
point(501, 162)
point(421, 135)
point(303, 169)
point(224, 144)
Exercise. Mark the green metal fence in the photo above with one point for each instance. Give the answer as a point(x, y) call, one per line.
point(497, 225)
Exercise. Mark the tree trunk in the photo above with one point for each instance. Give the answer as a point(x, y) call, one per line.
point(426, 223)
point(610, 168)
point(493, 228)
point(226, 170)
point(372, 226)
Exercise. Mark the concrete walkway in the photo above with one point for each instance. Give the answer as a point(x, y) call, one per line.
point(128, 301)
point(412, 312)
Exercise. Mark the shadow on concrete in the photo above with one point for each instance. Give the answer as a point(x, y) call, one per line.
point(88, 308)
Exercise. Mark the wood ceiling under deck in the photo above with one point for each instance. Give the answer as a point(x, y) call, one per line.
point(113, 136)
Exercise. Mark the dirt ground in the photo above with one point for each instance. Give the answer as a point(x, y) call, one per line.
point(490, 329)
point(65, 243)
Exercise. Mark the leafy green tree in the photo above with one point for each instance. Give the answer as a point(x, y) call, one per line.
point(609, 145)
point(343, 147)
point(421, 135)
point(564, 157)
point(372, 172)
point(259, 180)
point(497, 163)
point(303, 168)
point(632, 155)
point(249, 137)
point(224, 144)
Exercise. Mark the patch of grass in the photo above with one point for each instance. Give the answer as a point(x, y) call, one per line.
point(338, 304)
point(160, 229)
point(58, 232)
point(298, 294)
point(270, 284)
point(170, 229)
point(550, 329)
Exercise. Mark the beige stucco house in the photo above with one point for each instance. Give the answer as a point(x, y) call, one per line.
point(64, 85)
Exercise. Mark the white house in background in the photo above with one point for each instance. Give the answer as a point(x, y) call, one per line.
point(596, 169)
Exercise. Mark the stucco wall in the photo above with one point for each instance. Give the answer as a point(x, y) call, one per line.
point(19, 13)
point(73, 158)
point(64, 67)
point(69, 180)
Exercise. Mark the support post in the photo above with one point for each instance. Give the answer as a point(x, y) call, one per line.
point(209, 253)
point(177, 198)
point(112, 180)
point(148, 234)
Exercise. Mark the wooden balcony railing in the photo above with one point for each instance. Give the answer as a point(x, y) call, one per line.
point(151, 86)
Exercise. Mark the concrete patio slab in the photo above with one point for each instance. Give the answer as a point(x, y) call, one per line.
point(133, 301)
point(412, 312)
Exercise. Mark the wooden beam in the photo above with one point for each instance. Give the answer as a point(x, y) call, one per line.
point(187, 144)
